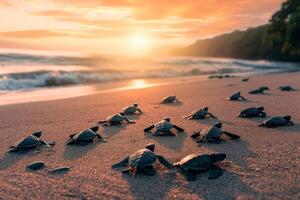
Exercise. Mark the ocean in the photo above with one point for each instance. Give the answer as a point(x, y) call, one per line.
point(31, 71)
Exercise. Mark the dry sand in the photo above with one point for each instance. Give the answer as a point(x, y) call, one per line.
point(263, 164)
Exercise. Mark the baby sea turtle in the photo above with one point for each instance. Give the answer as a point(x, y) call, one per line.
point(132, 109)
point(170, 99)
point(29, 142)
point(115, 119)
point(286, 88)
point(236, 97)
point(200, 114)
point(85, 137)
point(36, 165)
point(259, 90)
point(195, 163)
point(253, 112)
point(278, 121)
point(246, 79)
point(164, 127)
point(212, 134)
point(142, 161)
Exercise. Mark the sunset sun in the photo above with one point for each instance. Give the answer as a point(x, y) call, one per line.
point(139, 42)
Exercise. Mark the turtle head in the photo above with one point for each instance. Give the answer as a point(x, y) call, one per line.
point(168, 119)
point(94, 128)
point(205, 108)
point(37, 134)
point(135, 104)
point(218, 125)
point(287, 118)
point(260, 108)
point(150, 146)
point(217, 157)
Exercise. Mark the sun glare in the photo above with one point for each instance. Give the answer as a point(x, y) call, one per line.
point(139, 43)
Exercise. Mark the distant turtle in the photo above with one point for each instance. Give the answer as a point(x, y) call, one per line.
point(170, 99)
point(85, 137)
point(246, 79)
point(200, 114)
point(115, 119)
point(259, 90)
point(286, 88)
point(36, 165)
point(29, 142)
point(278, 121)
point(132, 109)
point(236, 97)
point(196, 163)
point(212, 134)
point(253, 112)
point(164, 128)
point(142, 161)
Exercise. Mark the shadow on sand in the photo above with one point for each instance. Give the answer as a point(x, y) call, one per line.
point(171, 142)
point(150, 187)
point(76, 151)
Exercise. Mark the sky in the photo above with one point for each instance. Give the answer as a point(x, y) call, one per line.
point(129, 27)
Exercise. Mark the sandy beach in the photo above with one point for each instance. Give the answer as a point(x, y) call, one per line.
point(263, 164)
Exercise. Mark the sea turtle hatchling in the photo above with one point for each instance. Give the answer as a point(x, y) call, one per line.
point(142, 161)
point(164, 128)
point(278, 121)
point(196, 163)
point(30, 142)
point(253, 112)
point(212, 134)
point(132, 109)
point(85, 137)
point(236, 97)
point(200, 114)
point(259, 90)
point(170, 99)
point(115, 119)
point(286, 88)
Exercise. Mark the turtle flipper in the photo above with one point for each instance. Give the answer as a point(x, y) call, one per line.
point(102, 122)
point(13, 149)
point(100, 138)
point(72, 135)
point(243, 98)
point(44, 143)
point(188, 117)
point(290, 123)
point(231, 135)
point(195, 134)
point(215, 172)
point(149, 128)
point(71, 141)
point(164, 161)
point(190, 175)
point(122, 163)
point(178, 128)
point(263, 114)
point(211, 115)
point(149, 170)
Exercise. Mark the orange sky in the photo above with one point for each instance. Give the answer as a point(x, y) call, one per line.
point(123, 26)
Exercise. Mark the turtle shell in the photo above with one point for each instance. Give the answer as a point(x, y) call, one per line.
point(168, 99)
point(84, 135)
point(195, 162)
point(211, 132)
point(275, 121)
point(235, 96)
point(28, 142)
point(142, 158)
point(129, 109)
point(115, 118)
point(163, 126)
point(251, 111)
point(199, 114)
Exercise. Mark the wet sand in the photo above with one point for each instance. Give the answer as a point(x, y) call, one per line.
point(263, 164)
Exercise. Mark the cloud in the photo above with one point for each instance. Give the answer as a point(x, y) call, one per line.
point(35, 34)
